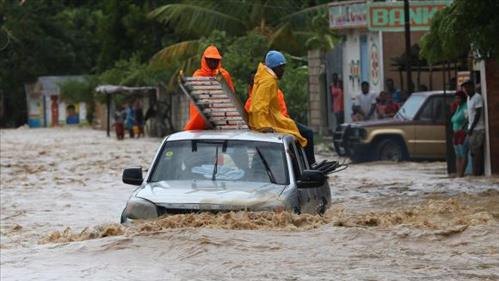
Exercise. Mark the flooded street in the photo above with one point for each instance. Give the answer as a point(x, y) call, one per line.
point(62, 197)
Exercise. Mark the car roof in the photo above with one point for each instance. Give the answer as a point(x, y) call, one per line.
point(431, 93)
point(247, 135)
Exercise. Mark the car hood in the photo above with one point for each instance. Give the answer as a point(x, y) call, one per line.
point(374, 123)
point(201, 193)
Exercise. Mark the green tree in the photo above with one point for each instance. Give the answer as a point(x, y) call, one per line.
point(285, 24)
point(461, 26)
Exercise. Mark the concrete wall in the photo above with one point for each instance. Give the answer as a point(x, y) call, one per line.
point(351, 66)
point(316, 115)
point(492, 111)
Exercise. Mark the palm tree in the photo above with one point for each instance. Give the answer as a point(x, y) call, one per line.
point(286, 25)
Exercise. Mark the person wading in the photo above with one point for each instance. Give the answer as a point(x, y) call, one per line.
point(211, 66)
point(264, 112)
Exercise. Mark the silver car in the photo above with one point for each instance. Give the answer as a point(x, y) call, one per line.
point(213, 171)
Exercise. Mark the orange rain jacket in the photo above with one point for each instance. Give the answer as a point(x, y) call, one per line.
point(196, 121)
point(265, 111)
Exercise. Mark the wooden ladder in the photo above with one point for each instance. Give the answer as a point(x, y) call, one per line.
point(219, 106)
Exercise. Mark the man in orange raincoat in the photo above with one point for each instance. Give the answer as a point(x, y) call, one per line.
point(211, 66)
point(266, 107)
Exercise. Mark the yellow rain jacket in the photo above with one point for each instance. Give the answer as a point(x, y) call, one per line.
point(265, 110)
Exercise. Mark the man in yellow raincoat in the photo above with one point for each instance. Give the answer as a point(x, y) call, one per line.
point(265, 110)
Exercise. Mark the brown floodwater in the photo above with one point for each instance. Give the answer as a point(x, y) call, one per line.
point(62, 196)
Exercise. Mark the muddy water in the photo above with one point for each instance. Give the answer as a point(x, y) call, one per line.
point(61, 197)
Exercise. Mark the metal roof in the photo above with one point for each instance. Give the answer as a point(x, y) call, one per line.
point(117, 89)
point(50, 85)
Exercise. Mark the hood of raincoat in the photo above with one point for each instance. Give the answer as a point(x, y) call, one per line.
point(212, 53)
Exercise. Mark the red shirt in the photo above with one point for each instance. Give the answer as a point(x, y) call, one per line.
point(337, 94)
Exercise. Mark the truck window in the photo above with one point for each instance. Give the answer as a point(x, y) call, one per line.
point(427, 111)
point(301, 158)
point(294, 160)
point(434, 109)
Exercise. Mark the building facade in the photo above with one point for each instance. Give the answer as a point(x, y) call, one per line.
point(45, 106)
point(371, 49)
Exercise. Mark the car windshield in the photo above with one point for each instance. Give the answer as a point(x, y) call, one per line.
point(222, 160)
point(410, 108)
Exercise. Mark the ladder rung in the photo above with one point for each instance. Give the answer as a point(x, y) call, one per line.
point(228, 122)
point(202, 83)
point(232, 127)
point(199, 78)
point(223, 105)
point(208, 92)
point(221, 118)
point(224, 113)
point(214, 101)
point(204, 88)
point(209, 96)
point(219, 110)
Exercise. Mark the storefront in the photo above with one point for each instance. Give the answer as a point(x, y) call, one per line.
point(46, 108)
point(371, 49)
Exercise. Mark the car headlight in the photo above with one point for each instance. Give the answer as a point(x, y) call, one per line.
point(359, 133)
point(138, 208)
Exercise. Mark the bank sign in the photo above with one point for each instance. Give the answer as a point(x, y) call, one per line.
point(389, 16)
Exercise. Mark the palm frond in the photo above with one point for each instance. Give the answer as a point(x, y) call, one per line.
point(284, 39)
point(197, 19)
point(300, 16)
point(175, 52)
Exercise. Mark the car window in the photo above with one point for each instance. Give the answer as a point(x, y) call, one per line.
point(433, 110)
point(427, 111)
point(410, 107)
point(301, 158)
point(222, 161)
point(294, 160)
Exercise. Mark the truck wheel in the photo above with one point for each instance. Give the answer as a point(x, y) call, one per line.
point(322, 207)
point(390, 150)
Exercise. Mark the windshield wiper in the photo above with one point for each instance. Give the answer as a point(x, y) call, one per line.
point(267, 168)
point(215, 167)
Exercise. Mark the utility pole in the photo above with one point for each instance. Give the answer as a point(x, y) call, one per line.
point(407, 27)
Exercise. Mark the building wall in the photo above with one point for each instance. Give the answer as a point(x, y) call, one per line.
point(492, 98)
point(352, 66)
point(316, 99)
point(394, 46)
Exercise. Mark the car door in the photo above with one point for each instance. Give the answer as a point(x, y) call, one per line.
point(430, 129)
point(310, 198)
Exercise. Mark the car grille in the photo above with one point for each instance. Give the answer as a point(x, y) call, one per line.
point(175, 211)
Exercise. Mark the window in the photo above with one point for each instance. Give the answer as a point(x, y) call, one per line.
point(427, 111)
point(433, 110)
point(221, 160)
point(410, 107)
point(294, 160)
point(301, 157)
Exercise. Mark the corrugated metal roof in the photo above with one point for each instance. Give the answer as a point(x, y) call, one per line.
point(49, 85)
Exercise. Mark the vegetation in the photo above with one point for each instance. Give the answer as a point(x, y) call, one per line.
point(461, 26)
point(137, 43)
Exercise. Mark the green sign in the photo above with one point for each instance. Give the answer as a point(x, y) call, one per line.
point(389, 16)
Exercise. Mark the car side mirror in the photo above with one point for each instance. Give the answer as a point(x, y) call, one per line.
point(133, 176)
point(311, 179)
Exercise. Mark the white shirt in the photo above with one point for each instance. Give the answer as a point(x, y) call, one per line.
point(365, 102)
point(476, 101)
